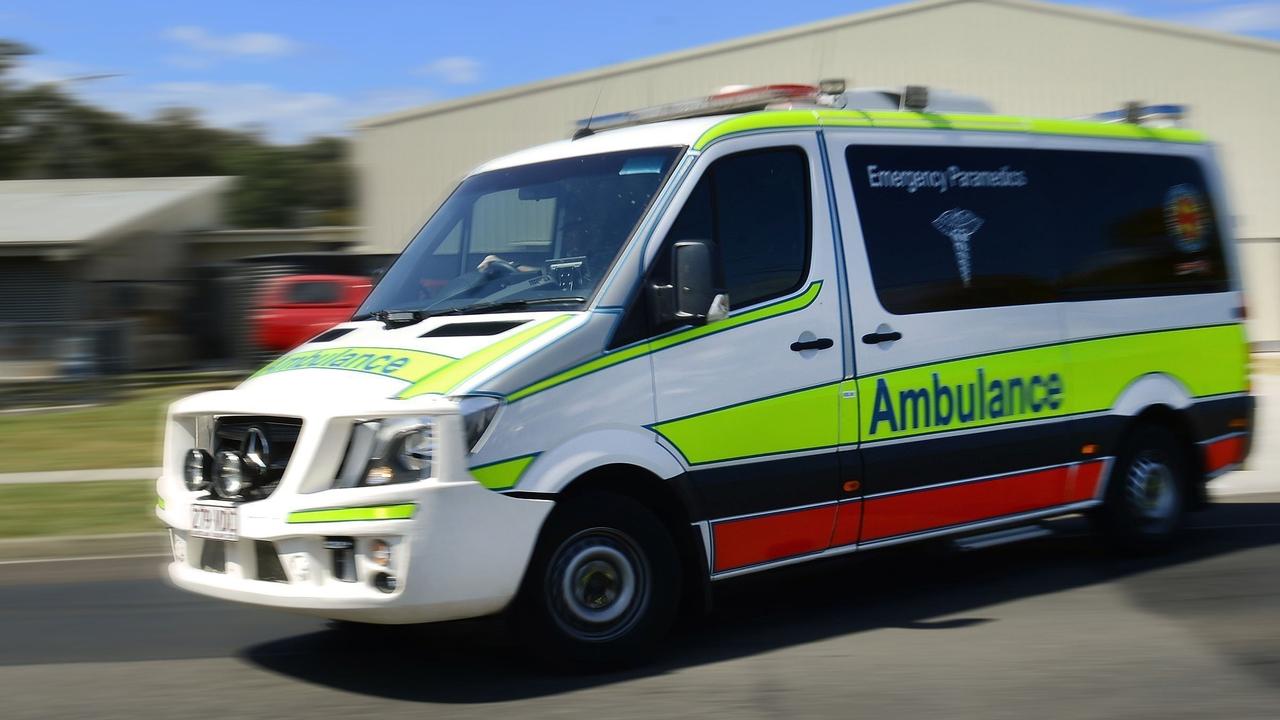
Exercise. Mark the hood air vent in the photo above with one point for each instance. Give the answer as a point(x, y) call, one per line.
point(328, 335)
point(473, 329)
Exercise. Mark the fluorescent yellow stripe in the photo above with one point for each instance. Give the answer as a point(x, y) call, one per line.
point(504, 474)
point(160, 503)
point(454, 374)
point(1091, 376)
point(799, 302)
point(775, 120)
point(802, 420)
point(375, 512)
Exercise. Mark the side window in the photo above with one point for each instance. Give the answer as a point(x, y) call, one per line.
point(954, 228)
point(755, 207)
point(1146, 227)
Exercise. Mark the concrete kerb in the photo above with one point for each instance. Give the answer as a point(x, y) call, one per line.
point(72, 546)
point(71, 476)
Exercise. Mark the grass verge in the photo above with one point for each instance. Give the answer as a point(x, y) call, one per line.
point(88, 508)
point(125, 433)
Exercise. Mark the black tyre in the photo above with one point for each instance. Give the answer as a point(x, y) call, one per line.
point(1148, 491)
point(603, 586)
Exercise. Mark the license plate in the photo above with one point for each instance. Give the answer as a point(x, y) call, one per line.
point(219, 522)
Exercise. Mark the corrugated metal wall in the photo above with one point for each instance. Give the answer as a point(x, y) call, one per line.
point(38, 290)
point(1027, 58)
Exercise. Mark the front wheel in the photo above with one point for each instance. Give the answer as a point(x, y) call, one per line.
point(1147, 493)
point(603, 586)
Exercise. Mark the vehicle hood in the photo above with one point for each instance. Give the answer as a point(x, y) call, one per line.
point(436, 356)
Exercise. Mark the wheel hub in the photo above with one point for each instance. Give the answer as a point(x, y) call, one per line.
point(1151, 488)
point(598, 584)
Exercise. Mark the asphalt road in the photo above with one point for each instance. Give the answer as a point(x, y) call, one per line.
point(1054, 627)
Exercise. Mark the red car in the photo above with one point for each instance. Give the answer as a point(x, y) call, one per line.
point(296, 308)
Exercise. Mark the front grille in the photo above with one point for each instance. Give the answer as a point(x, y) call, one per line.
point(231, 431)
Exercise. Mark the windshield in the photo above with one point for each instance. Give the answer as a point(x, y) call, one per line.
point(535, 235)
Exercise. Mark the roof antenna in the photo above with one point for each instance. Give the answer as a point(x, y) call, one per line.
point(585, 130)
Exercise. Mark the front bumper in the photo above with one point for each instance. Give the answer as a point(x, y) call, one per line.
point(462, 553)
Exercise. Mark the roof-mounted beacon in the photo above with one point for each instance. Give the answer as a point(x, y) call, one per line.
point(829, 94)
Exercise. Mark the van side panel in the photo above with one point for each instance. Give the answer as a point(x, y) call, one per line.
point(1014, 381)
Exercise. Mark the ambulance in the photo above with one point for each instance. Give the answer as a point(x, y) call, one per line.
point(719, 337)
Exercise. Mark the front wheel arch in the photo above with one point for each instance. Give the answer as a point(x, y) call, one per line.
point(675, 511)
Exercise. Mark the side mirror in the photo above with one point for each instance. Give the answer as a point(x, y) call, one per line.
point(691, 298)
point(693, 276)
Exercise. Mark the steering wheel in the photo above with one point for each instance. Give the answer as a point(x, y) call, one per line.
point(498, 267)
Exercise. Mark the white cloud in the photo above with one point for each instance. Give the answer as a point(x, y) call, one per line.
point(1239, 18)
point(39, 70)
point(284, 115)
point(249, 44)
point(455, 70)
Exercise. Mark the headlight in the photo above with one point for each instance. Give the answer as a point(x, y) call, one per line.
point(478, 412)
point(383, 452)
point(196, 469)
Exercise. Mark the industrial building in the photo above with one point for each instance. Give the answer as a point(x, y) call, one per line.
point(120, 274)
point(1025, 57)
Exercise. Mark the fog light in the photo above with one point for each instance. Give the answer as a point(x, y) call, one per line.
point(195, 470)
point(379, 475)
point(229, 475)
point(384, 582)
point(380, 553)
point(179, 549)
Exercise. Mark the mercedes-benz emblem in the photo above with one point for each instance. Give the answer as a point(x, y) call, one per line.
point(256, 449)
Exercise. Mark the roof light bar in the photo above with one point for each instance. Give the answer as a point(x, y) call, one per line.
point(733, 99)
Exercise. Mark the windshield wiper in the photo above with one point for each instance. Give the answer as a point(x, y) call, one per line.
point(396, 318)
point(485, 307)
point(400, 318)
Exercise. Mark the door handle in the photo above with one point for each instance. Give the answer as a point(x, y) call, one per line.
point(818, 344)
point(876, 338)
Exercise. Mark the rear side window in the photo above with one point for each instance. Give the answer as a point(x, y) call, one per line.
point(956, 228)
point(1145, 226)
point(312, 293)
point(755, 207)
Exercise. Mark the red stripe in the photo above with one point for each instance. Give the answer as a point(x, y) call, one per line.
point(958, 504)
point(1221, 453)
point(1084, 483)
point(848, 524)
point(770, 537)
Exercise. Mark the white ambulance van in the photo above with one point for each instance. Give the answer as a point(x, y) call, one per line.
point(779, 324)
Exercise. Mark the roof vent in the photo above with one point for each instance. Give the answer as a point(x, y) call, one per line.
point(914, 98)
point(1136, 113)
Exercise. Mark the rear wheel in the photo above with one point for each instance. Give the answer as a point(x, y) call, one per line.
point(603, 585)
point(1147, 492)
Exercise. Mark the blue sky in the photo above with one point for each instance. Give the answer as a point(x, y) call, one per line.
point(302, 68)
